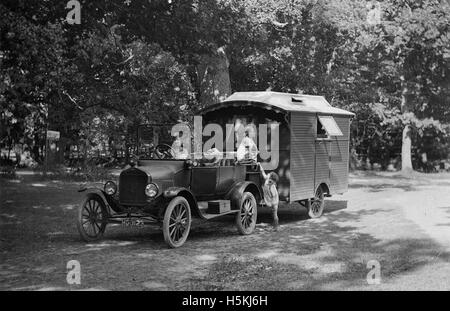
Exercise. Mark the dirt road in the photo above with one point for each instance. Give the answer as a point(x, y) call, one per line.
point(402, 223)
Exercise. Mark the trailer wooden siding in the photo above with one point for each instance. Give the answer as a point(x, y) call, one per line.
point(302, 154)
point(322, 163)
point(339, 157)
point(317, 161)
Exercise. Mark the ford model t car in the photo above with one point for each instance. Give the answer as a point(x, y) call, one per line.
point(168, 188)
point(162, 188)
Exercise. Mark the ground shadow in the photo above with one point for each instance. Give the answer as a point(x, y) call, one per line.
point(347, 252)
point(306, 254)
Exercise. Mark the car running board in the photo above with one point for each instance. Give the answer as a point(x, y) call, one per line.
point(217, 208)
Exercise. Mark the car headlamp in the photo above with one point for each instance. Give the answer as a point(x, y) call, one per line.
point(110, 187)
point(151, 190)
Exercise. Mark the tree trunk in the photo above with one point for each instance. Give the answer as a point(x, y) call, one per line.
point(406, 135)
point(214, 78)
point(406, 149)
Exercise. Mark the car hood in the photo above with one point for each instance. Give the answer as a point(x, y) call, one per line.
point(161, 170)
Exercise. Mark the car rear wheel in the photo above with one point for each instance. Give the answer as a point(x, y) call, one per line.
point(246, 217)
point(317, 204)
point(92, 218)
point(177, 222)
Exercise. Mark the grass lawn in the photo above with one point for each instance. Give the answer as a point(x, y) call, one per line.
point(401, 222)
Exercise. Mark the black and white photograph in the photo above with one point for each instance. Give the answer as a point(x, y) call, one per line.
point(225, 150)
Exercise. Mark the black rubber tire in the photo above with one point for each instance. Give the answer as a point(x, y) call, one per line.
point(92, 218)
point(177, 219)
point(247, 215)
point(317, 205)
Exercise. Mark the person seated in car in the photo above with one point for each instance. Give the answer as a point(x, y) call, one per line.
point(178, 151)
point(212, 157)
point(247, 150)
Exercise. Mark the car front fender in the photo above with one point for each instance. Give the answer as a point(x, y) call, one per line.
point(109, 202)
point(173, 192)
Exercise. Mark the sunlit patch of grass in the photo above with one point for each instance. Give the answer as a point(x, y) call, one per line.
point(206, 258)
point(113, 243)
point(8, 172)
point(38, 185)
point(15, 181)
point(82, 174)
point(9, 216)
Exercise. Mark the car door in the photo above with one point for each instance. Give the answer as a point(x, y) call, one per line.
point(204, 180)
point(226, 179)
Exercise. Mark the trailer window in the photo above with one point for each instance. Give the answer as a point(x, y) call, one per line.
point(328, 127)
point(321, 133)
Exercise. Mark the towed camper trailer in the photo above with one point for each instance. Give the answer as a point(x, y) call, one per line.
point(313, 139)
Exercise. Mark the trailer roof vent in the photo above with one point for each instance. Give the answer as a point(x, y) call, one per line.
point(297, 99)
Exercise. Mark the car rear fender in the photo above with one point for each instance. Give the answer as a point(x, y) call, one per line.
point(235, 194)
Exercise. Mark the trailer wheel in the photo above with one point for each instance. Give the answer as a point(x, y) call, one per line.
point(92, 218)
point(246, 217)
point(317, 204)
point(177, 222)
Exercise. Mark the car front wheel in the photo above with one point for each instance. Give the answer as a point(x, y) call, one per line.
point(177, 222)
point(92, 218)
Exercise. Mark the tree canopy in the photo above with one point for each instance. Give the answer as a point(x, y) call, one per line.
point(130, 62)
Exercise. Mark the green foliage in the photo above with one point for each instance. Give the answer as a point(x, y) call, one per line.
point(137, 63)
point(377, 135)
point(130, 84)
point(48, 79)
point(32, 68)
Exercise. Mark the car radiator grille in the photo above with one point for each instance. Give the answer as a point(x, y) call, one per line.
point(132, 187)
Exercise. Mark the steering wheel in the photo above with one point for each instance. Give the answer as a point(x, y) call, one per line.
point(164, 151)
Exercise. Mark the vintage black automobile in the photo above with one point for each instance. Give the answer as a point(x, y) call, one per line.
point(313, 157)
point(161, 189)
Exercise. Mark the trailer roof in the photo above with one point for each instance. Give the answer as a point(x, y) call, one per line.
point(280, 101)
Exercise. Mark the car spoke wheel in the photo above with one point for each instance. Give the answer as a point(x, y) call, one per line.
point(92, 219)
point(177, 222)
point(317, 204)
point(246, 217)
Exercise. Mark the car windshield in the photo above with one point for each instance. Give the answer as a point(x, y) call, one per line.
point(163, 141)
point(157, 141)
